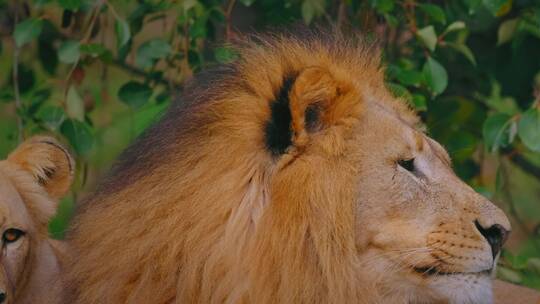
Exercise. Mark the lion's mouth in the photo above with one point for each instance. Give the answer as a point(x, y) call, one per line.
point(434, 271)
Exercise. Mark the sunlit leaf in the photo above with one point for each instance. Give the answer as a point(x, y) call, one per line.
point(428, 37)
point(529, 129)
point(508, 275)
point(74, 104)
point(506, 31)
point(69, 51)
point(464, 50)
point(123, 33)
point(455, 26)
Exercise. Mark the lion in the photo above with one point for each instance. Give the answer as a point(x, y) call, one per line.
point(32, 180)
point(291, 175)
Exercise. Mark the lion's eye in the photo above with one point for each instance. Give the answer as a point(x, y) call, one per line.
point(407, 164)
point(12, 235)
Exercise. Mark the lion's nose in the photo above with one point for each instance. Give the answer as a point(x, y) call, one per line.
point(2, 297)
point(496, 235)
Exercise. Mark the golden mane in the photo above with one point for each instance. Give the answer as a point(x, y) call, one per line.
point(195, 212)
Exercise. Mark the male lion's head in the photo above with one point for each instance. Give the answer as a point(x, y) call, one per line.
point(289, 176)
point(32, 179)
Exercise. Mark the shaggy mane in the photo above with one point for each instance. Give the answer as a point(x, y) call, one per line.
point(195, 210)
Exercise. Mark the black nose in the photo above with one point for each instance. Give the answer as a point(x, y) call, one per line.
point(2, 296)
point(496, 235)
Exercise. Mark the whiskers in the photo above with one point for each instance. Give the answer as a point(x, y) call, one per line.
point(399, 259)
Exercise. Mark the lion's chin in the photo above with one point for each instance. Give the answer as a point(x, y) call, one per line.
point(459, 288)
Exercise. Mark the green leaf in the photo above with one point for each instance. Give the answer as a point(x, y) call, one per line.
point(134, 94)
point(93, 49)
point(419, 102)
point(247, 2)
point(495, 6)
point(27, 30)
point(409, 77)
point(428, 37)
point(455, 26)
point(529, 129)
point(74, 105)
point(72, 5)
point(383, 6)
point(464, 50)
point(399, 91)
point(533, 264)
point(150, 51)
point(499, 103)
point(69, 51)
point(312, 9)
point(496, 131)
point(123, 33)
point(225, 54)
point(78, 134)
point(51, 116)
point(461, 147)
point(506, 31)
point(435, 76)
point(198, 28)
point(508, 275)
point(434, 12)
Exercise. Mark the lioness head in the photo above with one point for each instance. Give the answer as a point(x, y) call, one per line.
point(289, 176)
point(32, 179)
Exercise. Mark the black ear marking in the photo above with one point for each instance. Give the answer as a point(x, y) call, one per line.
point(278, 129)
point(312, 117)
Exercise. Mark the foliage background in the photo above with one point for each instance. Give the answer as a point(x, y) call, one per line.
point(97, 73)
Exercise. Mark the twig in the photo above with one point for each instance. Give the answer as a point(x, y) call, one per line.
point(138, 72)
point(341, 14)
point(228, 12)
point(18, 104)
point(86, 38)
point(524, 164)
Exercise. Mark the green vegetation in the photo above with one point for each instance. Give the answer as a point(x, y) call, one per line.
point(97, 73)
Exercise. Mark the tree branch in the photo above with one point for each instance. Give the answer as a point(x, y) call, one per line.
point(15, 75)
point(524, 164)
point(141, 73)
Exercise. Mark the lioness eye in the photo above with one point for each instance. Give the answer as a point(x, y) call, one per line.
point(407, 164)
point(12, 235)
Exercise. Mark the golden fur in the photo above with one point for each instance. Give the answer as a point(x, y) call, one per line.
point(277, 179)
point(32, 179)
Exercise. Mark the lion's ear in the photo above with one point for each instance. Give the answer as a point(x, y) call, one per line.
point(310, 101)
point(48, 162)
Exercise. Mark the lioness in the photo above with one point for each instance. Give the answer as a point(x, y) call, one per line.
point(289, 176)
point(32, 179)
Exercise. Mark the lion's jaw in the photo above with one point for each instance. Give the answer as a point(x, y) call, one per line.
point(425, 242)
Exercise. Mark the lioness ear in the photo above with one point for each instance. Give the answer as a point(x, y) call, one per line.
point(48, 162)
point(308, 102)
